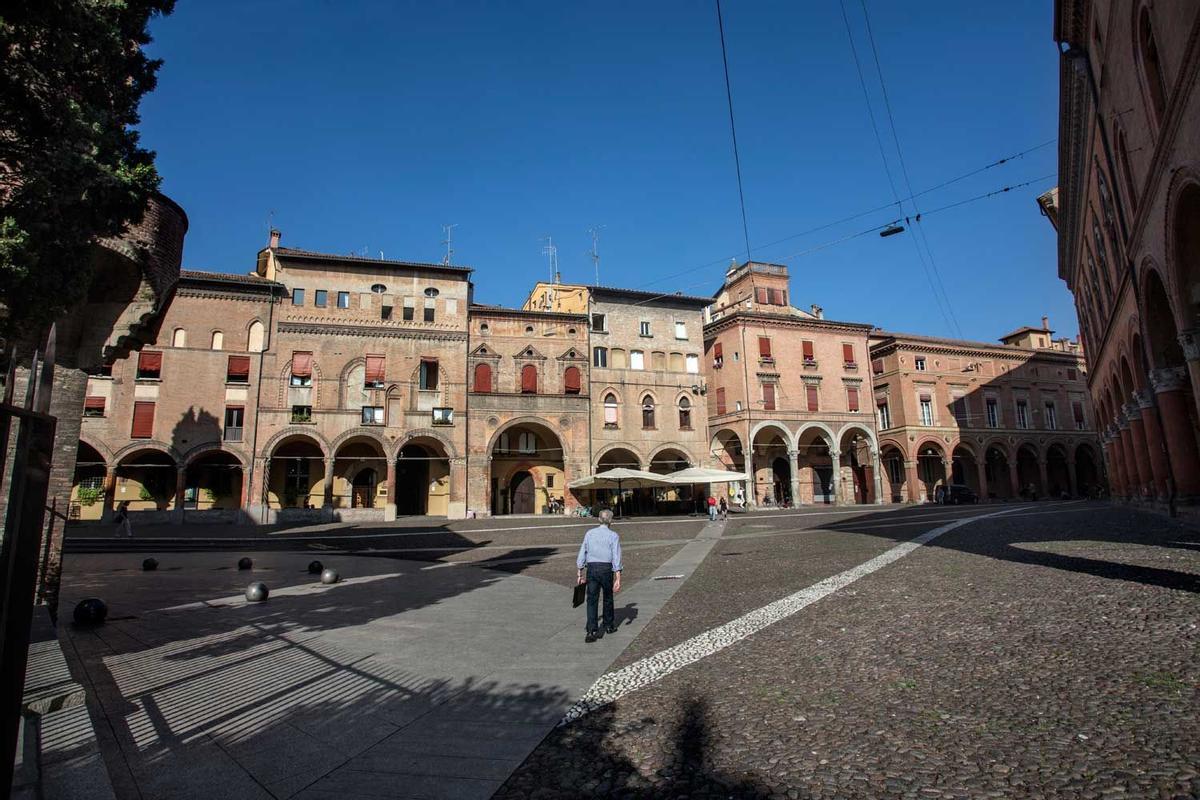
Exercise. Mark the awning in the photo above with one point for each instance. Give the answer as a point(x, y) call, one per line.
point(705, 475)
point(620, 478)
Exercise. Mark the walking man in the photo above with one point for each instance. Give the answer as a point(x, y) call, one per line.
point(599, 565)
point(122, 520)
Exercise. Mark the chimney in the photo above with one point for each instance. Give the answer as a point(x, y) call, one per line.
point(274, 238)
point(1045, 323)
point(817, 311)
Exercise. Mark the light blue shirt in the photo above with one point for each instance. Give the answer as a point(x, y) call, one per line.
point(600, 545)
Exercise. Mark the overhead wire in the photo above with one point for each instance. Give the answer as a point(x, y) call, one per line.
point(733, 129)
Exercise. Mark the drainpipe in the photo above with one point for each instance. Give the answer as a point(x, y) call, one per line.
point(269, 333)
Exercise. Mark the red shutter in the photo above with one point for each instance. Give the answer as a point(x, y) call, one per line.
point(375, 369)
point(529, 379)
point(95, 403)
point(571, 382)
point(848, 353)
point(483, 378)
point(238, 368)
point(852, 398)
point(721, 400)
point(768, 397)
point(1076, 410)
point(301, 364)
point(764, 347)
point(807, 349)
point(149, 361)
point(813, 404)
point(717, 350)
point(877, 366)
point(143, 420)
point(776, 297)
point(760, 294)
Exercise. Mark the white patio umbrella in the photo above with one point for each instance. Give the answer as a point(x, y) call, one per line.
point(619, 478)
point(705, 475)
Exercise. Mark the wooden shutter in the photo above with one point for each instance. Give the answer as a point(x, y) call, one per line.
point(760, 294)
point(375, 369)
point(764, 346)
point(1076, 411)
point(238, 368)
point(852, 398)
point(571, 381)
point(94, 403)
point(807, 350)
point(848, 353)
point(721, 400)
point(143, 420)
point(877, 366)
point(529, 379)
point(768, 397)
point(483, 378)
point(717, 350)
point(149, 361)
point(301, 364)
point(811, 392)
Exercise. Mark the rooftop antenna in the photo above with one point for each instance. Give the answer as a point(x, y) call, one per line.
point(594, 253)
point(551, 251)
point(449, 242)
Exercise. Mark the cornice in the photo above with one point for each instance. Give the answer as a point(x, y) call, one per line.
point(218, 294)
point(371, 331)
point(782, 321)
point(922, 347)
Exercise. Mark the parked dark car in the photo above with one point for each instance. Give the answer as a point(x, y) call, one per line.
point(957, 494)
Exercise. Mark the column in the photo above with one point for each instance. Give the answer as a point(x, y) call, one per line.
point(1108, 453)
point(1043, 478)
point(947, 474)
point(877, 474)
point(180, 488)
point(1072, 479)
point(1137, 438)
point(327, 501)
point(1120, 482)
point(836, 458)
point(110, 492)
point(1014, 479)
point(1177, 429)
point(1160, 469)
point(389, 505)
point(912, 482)
point(1133, 476)
point(1189, 340)
point(981, 469)
point(794, 475)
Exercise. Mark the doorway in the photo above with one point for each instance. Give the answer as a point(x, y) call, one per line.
point(363, 489)
point(521, 492)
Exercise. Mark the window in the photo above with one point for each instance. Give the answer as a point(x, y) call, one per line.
point(218, 340)
point(693, 364)
point(550, 481)
point(685, 414)
point(599, 356)
point(958, 407)
point(297, 297)
point(484, 329)
point(599, 321)
point(372, 415)
point(768, 396)
point(1022, 414)
point(237, 369)
point(610, 411)
point(179, 338)
point(1152, 72)
point(321, 298)
point(149, 365)
point(1077, 413)
point(806, 349)
point(483, 377)
point(255, 337)
point(658, 360)
point(812, 396)
point(721, 408)
point(885, 415)
point(718, 355)
point(93, 406)
point(529, 379)
point(431, 292)
point(429, 374)
point(408, 311)
point(234, 419)
point(643, 328)
point(343, 300)
point(848, 356)
point(529, 330)
point(680, 330)
point(926, 406)
point(378, 288)
point(1051, 417)
point(443, 416)
point(301, 369)
point(572, 384)
point(385, 313)
point(143, 420)
point(761, 294)
point(764, 348)
point(877, 366)
point(852, 399)
point(637, 359)
point(647, 412)
point(526, 442)
point(919, 363)
point(301, 413)
point(993, 413)
point(1072, 374)
point(429, 309)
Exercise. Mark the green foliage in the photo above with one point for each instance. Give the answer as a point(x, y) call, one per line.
point(89, 497)
point(71, 170)
point(146, 494)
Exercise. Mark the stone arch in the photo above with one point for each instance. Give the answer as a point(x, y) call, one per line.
point(858, 450)
point(892, 458)
point(627, 447)
point(781, 429)
point(1182, 229)
point(1162, 329)
point(425, 433)
point(823, 428)
point(359, 432)
point(102, 449)
point(206, 448)
point(145, 476)
point(1058, 472)
point(672, 446)
point(849, 426)
point(931, 455)
point(298, 431)
point(144, 444)
point(285, 375)
point(354, 452)
point(527, 420)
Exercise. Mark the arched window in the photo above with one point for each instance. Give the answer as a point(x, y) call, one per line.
point(179, 338)
point(255, 337)
point(529, 379)
point(502, 443)
point(1106, 201)
point(685, 414)
point(1101, 257)
point(647, 412)
point(218, 340)
point(571, 381)
point(610, 410)
point(483, 377)
point(484, 328)
point(1126, 169)
point(527, 442)
point(1152, 69)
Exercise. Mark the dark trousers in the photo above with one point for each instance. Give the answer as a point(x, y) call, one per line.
point(599, 576)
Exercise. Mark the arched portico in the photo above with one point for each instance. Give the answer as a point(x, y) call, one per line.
point(965, 471)
point(1000, 473)
point(528, 469)
point(296, 473)
point(931, 470)
point(214, 481)
point(1029, 472)
point(818, 463)
point(892, 463)
point(728, 453)
point(771, 465)
point(1059, 482)
point(422, 481)
point(146, 479)
point(858, 463)
point(360, 468)
point(91, 486)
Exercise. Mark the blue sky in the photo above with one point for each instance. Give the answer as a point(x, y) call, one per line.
point(366, 126)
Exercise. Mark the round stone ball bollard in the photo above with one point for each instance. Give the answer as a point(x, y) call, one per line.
point(91, 611)
point(330, 575)
point(315, 567)
point(150, 564)
point(257, 592)
point(245, 563)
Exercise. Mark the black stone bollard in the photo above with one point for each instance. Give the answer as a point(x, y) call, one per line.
point(257, 592)
point(245, 563)
point(150, 564)
point(315, 567)
point(91, 611)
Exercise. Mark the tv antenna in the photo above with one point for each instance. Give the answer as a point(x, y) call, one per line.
point(551, 251)
point(448, 241)
point(594, 253)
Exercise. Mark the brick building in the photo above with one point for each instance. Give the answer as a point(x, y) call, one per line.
point(1008, 420)
point(1127, 212)
point(788, 394)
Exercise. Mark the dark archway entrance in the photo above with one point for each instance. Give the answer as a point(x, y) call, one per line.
point(412, 481)
point(363, 492)
point(520, 489)
point(781, 482)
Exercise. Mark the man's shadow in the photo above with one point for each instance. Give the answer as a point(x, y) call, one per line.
point(625, 615)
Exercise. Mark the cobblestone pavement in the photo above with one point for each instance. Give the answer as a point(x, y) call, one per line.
point(1050, 652)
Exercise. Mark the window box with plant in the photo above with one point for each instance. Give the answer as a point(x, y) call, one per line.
point(301, 415)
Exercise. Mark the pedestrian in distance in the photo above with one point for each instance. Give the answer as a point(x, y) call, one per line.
point(724, 509)
point(712, 508)
point(121, 518)
point(599, 565)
